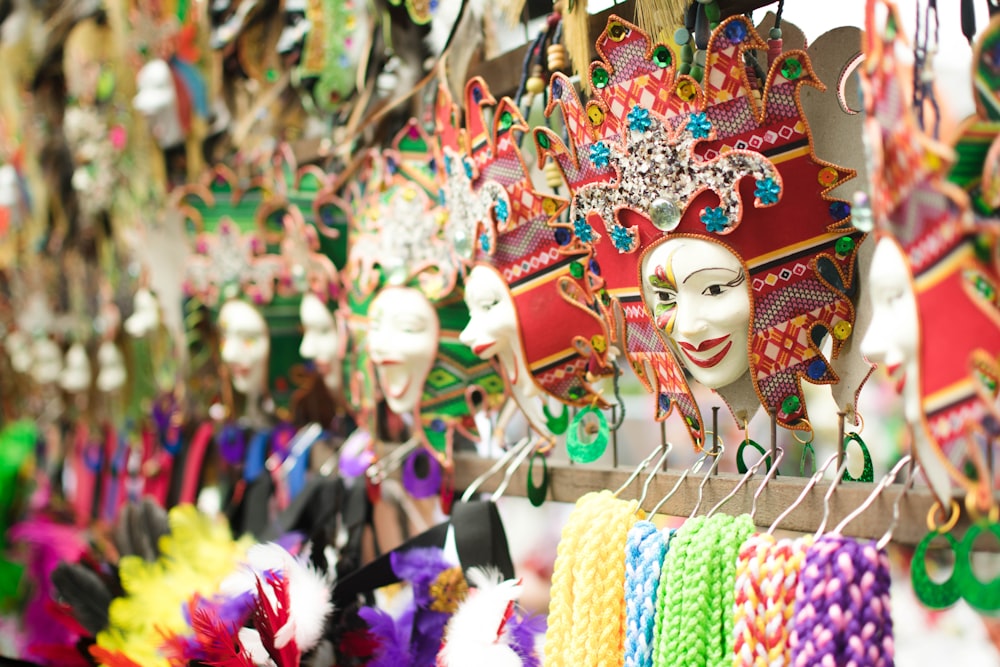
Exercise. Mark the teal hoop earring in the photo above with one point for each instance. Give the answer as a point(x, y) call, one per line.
point(537, 494)
point(980, 596)
point(868, 472)
point(587, 451)
point(930, 593)
point(556, 424)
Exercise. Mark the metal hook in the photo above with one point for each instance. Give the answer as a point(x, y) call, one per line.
point(813, 481)
point(677, 485)
point(751, 471)
point(876, 492)
point(379, 470)
point(518, 460)
point(884, 540)
point(828, 495)
point(649, 478)
point(767, 480)
point(717, 454)
point(638, 469)
point(501, 462)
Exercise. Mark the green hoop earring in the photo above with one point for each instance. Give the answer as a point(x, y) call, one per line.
point(556, 424)
point(980, 596)
point(929, 592)
point(807, 449)
point(741, 465)
point(587, 451)
point(868, 472)
point(537, 494)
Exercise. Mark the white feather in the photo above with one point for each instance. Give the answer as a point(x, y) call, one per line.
point(471, 636)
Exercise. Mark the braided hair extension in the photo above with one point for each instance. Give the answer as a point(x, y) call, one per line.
point(695, 621)
point(588, 596)
point(843, 616)
point(767, 577)
point(644, 552)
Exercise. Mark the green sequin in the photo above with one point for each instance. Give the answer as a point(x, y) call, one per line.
point(661, 56)
point(791, 69)
point(600, 77)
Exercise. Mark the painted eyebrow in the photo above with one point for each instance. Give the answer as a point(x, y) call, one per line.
point(709, 268)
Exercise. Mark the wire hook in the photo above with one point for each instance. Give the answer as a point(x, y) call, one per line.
point(813, 481)
point(649, 478)
point(771, 473)
point(828, 495)
point(883, 484)
point(717, 454)
point(499, 463)
point(751, 471)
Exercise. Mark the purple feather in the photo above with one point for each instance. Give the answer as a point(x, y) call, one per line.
point(420, 567)
point(392, 636)
point(523, 633)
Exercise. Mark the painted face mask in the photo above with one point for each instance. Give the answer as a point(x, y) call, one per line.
point(523, 276)
point(405, 274)
point(934, 279)
point(673, 193)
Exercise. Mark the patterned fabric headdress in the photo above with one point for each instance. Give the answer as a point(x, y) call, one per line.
point(399, 242)
point(951, 255)
point(496, 208)
point(657, 155)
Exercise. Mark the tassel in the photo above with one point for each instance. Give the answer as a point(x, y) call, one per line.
point(576, 38)
point(654, 16)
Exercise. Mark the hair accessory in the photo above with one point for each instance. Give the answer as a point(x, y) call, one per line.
point(694, 619)
point(842, 615)
point(587, 607)
point(767, 575)
point(645, 548)
point(647, 121)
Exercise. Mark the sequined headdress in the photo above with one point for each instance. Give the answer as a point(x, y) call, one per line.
point(917, 202)
point(400, 242)
point(658, 155)
point(498, 218)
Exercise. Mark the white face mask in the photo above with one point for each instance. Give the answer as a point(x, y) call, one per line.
point(891, 339)
point(46, 361)
point(246, 346)
point(320, 340)
point(75, 376)
point(697, 291)
point(111, 372)
point(145, 317)
point(18, 347)
point(492, 329)
point(10, 193)
point(157, 101)
point(402, 342)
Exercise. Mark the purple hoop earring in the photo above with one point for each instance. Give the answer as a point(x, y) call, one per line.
point(422, 474)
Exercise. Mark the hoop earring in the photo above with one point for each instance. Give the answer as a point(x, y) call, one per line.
point(422, 474)
point(868, 472)
point(581, 451)
point(929, 592)
point(536, 494)
point(980, 596)
point(556, 424)
point(741, 466)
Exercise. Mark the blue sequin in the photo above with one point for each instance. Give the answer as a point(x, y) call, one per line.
point(563, 236)
point(699, 125)
point(583, 230)
point(816, 370)
point(621, 238)
point(736, 32)
point(502, 211)
point(484, 242)
point(600, 154)
point(638, 119)
point(715, 219)
point(767, 191)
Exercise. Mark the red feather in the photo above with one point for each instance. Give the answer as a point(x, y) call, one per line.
point(269, 620)
point(214, 641)
point(111, 658)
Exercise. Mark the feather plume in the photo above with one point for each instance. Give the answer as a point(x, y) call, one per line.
point(273, 620)
point(85, 593)
point(392, 637)
point(479, 632)
point(140, 528)
point(109, 658)
point(212, 642)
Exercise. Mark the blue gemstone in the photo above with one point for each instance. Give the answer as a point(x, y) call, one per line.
point(556, 88)
point(817, 369)
point(563, 236)
point(433, 164)
point(595, 268)
point(839, 210)
point(438, 426)
point(390, 164)
point(477, 95)
point(664, 403)
point(736, 32)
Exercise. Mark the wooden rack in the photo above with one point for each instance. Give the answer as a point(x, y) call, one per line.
point(567, 482)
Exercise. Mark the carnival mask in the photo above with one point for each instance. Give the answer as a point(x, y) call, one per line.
point(75, 376)
point(145, 316)
point(245, 346)
point(46, 361)
point(492, 329)
point(403, 343)
point(321, 340)
point(157, 102)
point(111, 372)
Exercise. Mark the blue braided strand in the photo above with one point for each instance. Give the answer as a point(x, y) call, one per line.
point(644, 551)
